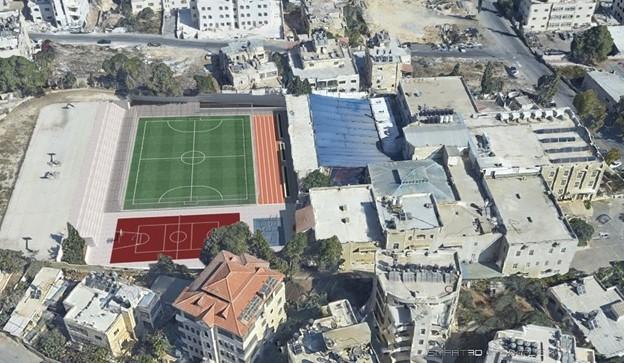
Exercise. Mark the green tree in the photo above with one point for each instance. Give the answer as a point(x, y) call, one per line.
point(612, 155)
point(18, 74)
point(74, 247)
point(547, 87)
point(163, 82)
point(166, 266)
point(329, 255)
point(69, 80)
point(158, 345)
point(591, 109)
point(293, 252)
point(298, 87)
point(490, 84)
point(204, 84)
point(583, 230)
point(592, 46)
point(259, 247)
point(316, 179)
point(52, 344)
point(12, 261)
point(231, 238)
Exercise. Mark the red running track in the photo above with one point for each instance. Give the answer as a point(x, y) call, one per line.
point(179, 237)
point(267, 153)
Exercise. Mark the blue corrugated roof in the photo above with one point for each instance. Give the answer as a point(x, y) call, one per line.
point(344, 132)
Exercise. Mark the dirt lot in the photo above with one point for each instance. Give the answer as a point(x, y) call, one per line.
point(86, 59)
point(470, 69)
point(16, 128)
point(411, 20)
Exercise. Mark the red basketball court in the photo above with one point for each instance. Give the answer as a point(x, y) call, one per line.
point(179, 237)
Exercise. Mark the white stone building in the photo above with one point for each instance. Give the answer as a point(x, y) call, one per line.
point(326, 64)
point(415, 302)
point(550, 142)
point(554, 15)
point(617, 10)
point(538, 241)
point(65, 14)
point(231, 309)
point(596, 312)
point(609, 87)
point(228, 19)
point(324, 15)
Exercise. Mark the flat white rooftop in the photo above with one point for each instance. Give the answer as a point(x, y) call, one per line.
point(437, 93)
point(527, 212)
point(301, 134)
point(347, 212)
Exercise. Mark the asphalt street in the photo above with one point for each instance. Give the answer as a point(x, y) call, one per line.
point(601, 251)
point(12, 352)
point(132, 39)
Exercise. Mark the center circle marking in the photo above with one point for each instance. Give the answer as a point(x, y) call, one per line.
point(193, 157)
point(177, 237)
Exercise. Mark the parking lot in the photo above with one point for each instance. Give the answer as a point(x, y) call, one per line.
point(602, 250)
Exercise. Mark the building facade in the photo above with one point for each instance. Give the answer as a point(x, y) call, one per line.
point(415, 302)
point(617, 10)
point(247, 65)
point(385, 64)
point(554, 15)
point(103, 311)
point(14, 39)
point(323, 15)
point(326, 64)
point(231, 309)
point(67, 14)
point(229, 19)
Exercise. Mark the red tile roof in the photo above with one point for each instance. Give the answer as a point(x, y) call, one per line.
point(222, 293)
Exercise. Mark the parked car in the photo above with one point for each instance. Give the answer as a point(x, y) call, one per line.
point(514, 72)
point(104, 41)
point(153, 44)
point(615, 164)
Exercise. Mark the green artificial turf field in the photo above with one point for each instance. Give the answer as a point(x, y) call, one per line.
point(191, 161)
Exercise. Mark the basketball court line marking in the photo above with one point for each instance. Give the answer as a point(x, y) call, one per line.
point(165, 235)
point(160, 201)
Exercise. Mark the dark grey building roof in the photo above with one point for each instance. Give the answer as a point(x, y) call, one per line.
point(344, 132)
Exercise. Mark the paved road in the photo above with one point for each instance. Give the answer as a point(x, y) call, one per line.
point(602, 251)
point(132, 39)
point(505, 45)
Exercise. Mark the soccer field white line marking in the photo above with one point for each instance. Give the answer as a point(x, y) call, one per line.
point(193, 164)
point(189, 186)
point(195, 157)
point(136, 180)
point(188, 132)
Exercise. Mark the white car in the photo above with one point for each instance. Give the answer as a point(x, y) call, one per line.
point(616, 164)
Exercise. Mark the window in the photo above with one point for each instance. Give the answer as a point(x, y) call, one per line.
point(558, 262)
point(515, 265)
point(518, 253)
point(531, 252)
point(563, 250)
point(546, 263)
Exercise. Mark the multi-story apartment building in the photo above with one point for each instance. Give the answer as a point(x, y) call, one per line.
point(617, 10)
point(415, 302)
point(385, 63)
point(549, 142)
point(231, 309)
point(536, 344)
point(326, 64)
point(538, 241)
point(103, 311)
point(337, 337)
point(229, 19)
point(609, 87)
point(549, 15)
point(69, 14)
point(246, 65)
